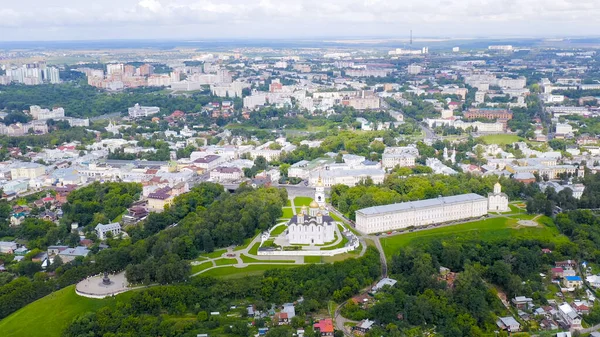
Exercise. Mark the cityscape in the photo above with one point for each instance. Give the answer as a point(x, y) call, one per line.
point(299, 182)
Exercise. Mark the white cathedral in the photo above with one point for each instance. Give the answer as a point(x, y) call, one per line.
point(312, 225)
point(498, 201)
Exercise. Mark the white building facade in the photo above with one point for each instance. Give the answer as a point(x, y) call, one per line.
point(420, 213)
point(311, 228)
point(498, 201)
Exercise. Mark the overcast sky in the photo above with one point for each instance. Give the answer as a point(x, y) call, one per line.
point(217, 19)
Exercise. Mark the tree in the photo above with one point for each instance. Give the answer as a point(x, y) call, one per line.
point(260, 163)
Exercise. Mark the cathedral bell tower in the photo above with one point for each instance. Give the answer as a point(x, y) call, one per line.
point(320, 192)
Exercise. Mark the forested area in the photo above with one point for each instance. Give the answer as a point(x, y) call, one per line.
point(100, 202)
point(207, 218)
point(154, 311)
point(201, 220)
point(86, 101)
point(545, 202)
point(423, 300)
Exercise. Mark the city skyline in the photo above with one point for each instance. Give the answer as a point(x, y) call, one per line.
point(35, 20)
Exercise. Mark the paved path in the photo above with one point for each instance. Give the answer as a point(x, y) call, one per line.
point(293, 206)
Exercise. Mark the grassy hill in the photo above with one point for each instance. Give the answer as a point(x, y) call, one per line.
point(488, 229)
point(50, 315)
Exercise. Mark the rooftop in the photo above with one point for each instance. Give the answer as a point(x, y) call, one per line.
point(457, 199)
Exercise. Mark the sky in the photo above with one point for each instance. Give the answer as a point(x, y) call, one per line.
point(49, 20)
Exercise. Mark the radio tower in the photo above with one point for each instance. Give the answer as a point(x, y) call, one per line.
point(411, 37)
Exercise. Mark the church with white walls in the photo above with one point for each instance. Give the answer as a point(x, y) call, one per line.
point(498, 201)
point(312, 225)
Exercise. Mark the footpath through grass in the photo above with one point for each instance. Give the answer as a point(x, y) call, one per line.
point(487, 229)
point(50, 315)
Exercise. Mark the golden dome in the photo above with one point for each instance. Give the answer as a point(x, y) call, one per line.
point(303, 207)
point(313, 204)
point(322, 207)
point(319, 214)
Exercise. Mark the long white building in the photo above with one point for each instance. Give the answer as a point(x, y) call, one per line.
point(420, 213)
point(142, 111)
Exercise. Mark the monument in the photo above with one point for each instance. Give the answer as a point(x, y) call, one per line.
point(106, 280)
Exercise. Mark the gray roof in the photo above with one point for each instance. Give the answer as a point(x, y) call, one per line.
point(457, 199)
point(508, 321)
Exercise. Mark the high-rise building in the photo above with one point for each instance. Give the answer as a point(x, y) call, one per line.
point(52, 75)
point(146, 69)
point(114, 68)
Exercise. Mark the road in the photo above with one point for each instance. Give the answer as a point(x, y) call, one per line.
point(339, 320)
point(428, 133)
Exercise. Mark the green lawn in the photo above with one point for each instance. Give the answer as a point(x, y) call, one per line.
point(244, 245)
point(201, 267)
point(487, 229)
point(302, 201)
point(288, 202)
point(215, 254)
point(501, 139)
point(312, 259)
point(254, 249)
point(248, 259)
point(341, 257)
point(278, 230)
point(225, 262)
point(339, 245)
point(251, 270)
point(288, 213)
point(50, 315)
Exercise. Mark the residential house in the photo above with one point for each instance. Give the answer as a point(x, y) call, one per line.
point(7, 247)
point(569, 316)
point(566, 264)
point(363, 327)
point(522, 302)
point(508, 323)
point(557, 273)
point(384, 282)
point(71, 254)
point(281, 318)
point(103, 230)
point(324, 327)
point(572, 282)
point(159, 199)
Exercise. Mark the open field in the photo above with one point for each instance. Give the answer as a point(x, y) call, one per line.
point(50, 315)
point(501, 139)
point(251, 270)
point(488, 229)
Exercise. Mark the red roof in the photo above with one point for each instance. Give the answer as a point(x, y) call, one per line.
point(324, 325)
point(557, 270)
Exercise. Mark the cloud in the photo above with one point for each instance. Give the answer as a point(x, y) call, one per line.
point(276, 17)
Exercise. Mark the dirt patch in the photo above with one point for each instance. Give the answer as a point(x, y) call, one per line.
point(527, 223)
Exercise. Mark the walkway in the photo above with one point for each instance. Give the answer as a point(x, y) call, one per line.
point(93, 286)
